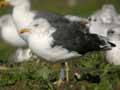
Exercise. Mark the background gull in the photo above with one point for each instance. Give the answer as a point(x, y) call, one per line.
point(102, 20)
point(113, 56)
point(20, 10)
point(10, 35)
point(106, 22)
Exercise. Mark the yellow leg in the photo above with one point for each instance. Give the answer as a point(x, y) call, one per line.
point(67, 71)
point(58, 83)
point(61, 75)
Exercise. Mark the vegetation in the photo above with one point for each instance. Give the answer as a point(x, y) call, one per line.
point(94, 72)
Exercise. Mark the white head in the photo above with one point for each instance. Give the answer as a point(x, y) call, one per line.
point(114, 33)
point(37, 27)
point(102, 20)
point(96, 25)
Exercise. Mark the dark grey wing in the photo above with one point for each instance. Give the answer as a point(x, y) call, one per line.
point(55, 20)
point(71, 35)
point(73, 38)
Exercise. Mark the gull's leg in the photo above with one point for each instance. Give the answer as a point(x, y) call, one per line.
point(64, 70)
point(61, 75)
point(67, 71)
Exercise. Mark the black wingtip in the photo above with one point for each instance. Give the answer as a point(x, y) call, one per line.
point(112, 44)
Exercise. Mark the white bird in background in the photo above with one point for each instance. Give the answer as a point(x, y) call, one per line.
point(102, 20)
point(96, 26)
point(9, 31)
point(22, 16)
point(113, 56)
point(10, 35)
point(106, 22)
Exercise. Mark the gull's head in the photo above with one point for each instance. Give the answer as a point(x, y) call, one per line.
point(101, 21)
point(95, 25)
point(4, 3)
point(114, 33)
point(94, 19)
point(36, 28)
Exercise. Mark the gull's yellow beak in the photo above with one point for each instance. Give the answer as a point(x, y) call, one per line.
point(4, 3)
point(24, 30)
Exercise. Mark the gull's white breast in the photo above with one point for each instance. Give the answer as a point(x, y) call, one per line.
point(113, 56)
point(41, 45)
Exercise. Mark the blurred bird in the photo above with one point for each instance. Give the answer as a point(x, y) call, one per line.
point(20, 10)
point(113, 56)
point(106, 22)
point(10, 35)
point(102, 20)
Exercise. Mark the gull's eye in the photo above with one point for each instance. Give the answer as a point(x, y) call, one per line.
point(111, 32)
point(95, 20)
point(89, 19)
point(36, 25)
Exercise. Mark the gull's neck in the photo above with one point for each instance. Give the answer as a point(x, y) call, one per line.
point(22, 14)
point(25, 6)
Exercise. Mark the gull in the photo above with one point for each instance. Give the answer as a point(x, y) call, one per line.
point(23, 15)
point(102, 20)
point(10, 35)
point(20, 10)
point(106, 22)
point(58, 39)
point(113, 56)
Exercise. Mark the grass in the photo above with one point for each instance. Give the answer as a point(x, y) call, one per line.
point(95, 72)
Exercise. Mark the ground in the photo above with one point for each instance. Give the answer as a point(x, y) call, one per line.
point(94, 73)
